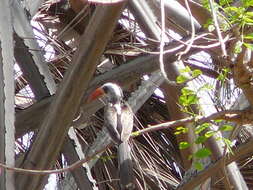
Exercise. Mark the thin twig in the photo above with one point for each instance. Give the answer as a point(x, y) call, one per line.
point(162, 43)
point(217, 27)
point(56, 171)
point(188, 47)
point(207, 46)
point(180, 122)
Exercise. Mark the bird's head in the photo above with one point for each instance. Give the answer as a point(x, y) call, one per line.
point(112, 92)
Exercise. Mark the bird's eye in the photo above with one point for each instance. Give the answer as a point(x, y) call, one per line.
point(106, 89)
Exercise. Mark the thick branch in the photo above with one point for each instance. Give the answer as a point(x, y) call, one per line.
point(241, 152)
point(69, 95)
point(30, 71)
point(79, 174)
point(242, 73)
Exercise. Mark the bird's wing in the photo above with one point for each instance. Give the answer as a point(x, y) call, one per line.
point(126, 122)
point(110, 122)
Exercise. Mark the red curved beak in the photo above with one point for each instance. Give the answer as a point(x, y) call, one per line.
point(96, 94)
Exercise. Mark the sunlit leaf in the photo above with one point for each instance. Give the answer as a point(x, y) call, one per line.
point(135, 134)
point(249, 14)
point(248, 20)
point(184, 145)
point(187, 69)
point(198, 166)
point(187, 91)
point(192, 99)
point(196, 73)
point(201, 127)
point(247, 45)
point(180, 130)
point(208, 134)
point(221, 77)
point(249, 36)
point(226, 128)
point(182, 78)
point(225, 2)
point(203, 153)
point(247, 3)
point(187, 100)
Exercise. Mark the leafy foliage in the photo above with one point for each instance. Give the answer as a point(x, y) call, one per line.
point(202, 153)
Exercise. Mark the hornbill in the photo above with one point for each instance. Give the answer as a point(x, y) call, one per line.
point(118, 119)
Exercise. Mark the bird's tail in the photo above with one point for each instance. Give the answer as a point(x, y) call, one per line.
point(125, 167)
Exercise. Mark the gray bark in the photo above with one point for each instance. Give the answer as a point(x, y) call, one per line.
point(7, 130)
point(37, 72)
point(68, 98)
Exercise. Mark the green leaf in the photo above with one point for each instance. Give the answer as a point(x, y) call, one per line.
point(192, 99)
point(226, 70)
point(187, 91)
point(200, 139)
point(249, 14)
point(180, 130)
point(229, 144)
point(196, 73)
point(225, 2)
point(203, 153)
point(190, 157)
point(238, 47)
point(218, 120)
point(182, 100)
point(205, 4)
point(182, 78)
point(247, 3)
point(188, 97)
point(187, 100)
point(247, 20)
point(201, 127)
point(187, 69)
point(249, 23)
point(135, 134)
point(247, 45)
point(226, 128)
point(208, 134)
point(249, 36)
point(184, 145)
point(238, 11)
point(221, 77)
point(198, 166)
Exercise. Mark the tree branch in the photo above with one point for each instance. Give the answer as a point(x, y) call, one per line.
point(238, 116)
point(241, 152)
point(69, 95)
